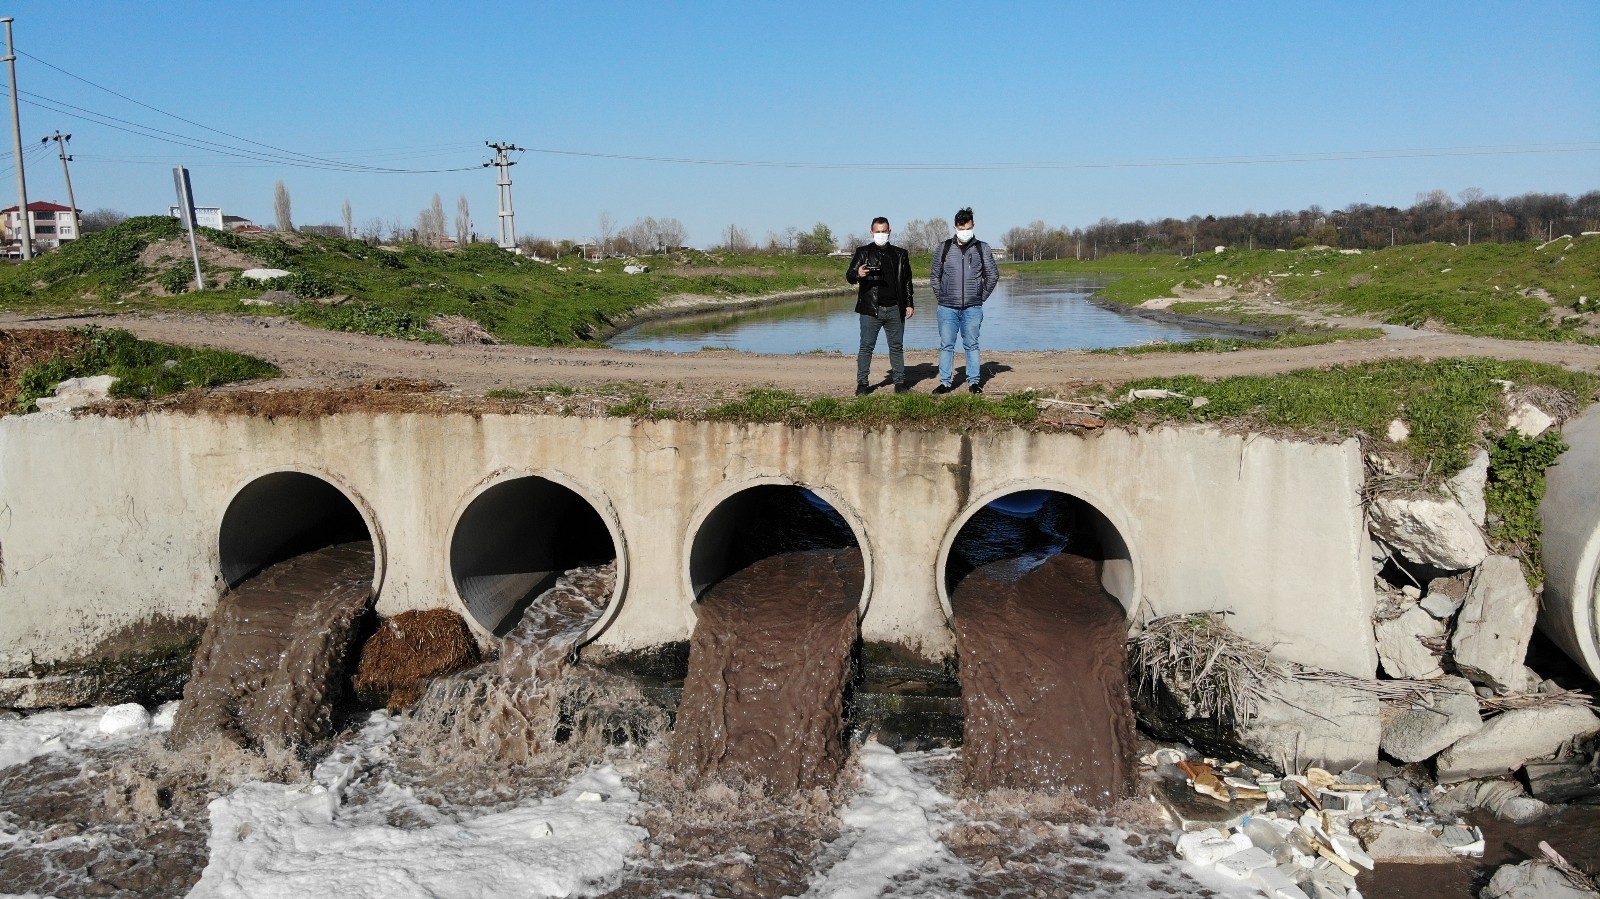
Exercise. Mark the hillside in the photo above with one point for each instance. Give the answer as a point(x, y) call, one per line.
point(406, 291)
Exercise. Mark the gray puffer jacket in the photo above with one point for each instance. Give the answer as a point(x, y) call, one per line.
point(963, 276)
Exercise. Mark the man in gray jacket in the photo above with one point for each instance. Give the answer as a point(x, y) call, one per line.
point(964, 274)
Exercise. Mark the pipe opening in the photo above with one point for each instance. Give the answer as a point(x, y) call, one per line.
point(280, 516)
point(761, 522)
point(515, 539)
point(1032, 525)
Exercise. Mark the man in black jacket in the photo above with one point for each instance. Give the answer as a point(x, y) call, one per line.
point(881, 272)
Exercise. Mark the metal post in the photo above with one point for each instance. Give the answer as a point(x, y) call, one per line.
point(180, 177)
point(25, 232)
point(72, 203)
point(503, 162)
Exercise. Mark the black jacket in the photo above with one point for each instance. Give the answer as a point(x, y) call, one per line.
point(890, 286)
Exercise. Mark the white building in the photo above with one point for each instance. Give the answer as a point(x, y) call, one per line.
point(52, 224)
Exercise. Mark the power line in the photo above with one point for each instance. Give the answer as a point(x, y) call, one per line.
point(1334, 156)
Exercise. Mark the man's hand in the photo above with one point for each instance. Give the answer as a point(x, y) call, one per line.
point(910, 311)
point(861, 270)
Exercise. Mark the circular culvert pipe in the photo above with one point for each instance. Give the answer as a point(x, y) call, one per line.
point(517, 536)
point(282, 515)
point(1026, 518)
point(1570, 613)
point(762, 519)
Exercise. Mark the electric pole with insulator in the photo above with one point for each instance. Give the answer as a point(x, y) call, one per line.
point(61, 141)
point(25, 231)
point(503, 162)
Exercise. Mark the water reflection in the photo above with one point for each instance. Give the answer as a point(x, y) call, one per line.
point(1029, 312)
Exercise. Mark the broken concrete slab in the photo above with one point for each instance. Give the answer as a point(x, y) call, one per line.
point(1495, 625)
point(75, 393)
point(1429, 530)
point(1529, 420)
point(1400, 647)
point(1468, 484)
point(1533, 880)
point(263, 274)
point(1412, 734)
point(1512, 738)
point(1314, 723)
point(1400, 845)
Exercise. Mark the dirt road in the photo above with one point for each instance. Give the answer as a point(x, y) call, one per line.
point(313, 357)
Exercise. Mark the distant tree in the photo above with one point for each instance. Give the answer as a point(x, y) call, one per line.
point(431, 223)
point(607, 229)
point(281, 207)
point(326, 230)
point(372, 230)
point(816, 242)
point(735, 239)
point(100, 220)
point(922, 235)
point(463, 221)
point(672, 234)
point(349, 220)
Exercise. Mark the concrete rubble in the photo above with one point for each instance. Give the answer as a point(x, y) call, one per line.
point(1495, 625)
point(1515, 737)
point(75, 393)
point(1468, 486)
point(1429, 530)
point(1401, 649)
point(1414, 732)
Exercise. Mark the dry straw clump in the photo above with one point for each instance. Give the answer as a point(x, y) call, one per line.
point(410, 649)
point(1213, 671)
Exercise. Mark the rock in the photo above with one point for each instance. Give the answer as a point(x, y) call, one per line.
point(75, 393)
point(633, 269)
point(1495, 625)
point(1559, 782)
point(1512, 738)
point(1532, 880)
point(1439, 605)
point(1399, 431)
point(249, 302)
point(1400, 647)
point(1400, 845)
point(1314, 723)
point(1154, 393)
point(1412, 734)
point(1429, 531)
point(263, 274)
point(53, 691)
point(1468, 484)
point(1529, 419)
point(125, 717)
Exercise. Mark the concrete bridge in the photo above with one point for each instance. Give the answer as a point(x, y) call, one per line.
point(108, 524)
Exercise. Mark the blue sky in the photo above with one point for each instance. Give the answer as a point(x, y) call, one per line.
point(1107, 88)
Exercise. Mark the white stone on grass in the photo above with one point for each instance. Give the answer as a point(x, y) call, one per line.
point(1400, 647)
point(1529, 420)
point(263, 274)
point(1468, 484)
point(1495, 625)
point(1514, 737)
point(1412, 734)
point(1429, 531)
point(75, 393)
point(1399, 431)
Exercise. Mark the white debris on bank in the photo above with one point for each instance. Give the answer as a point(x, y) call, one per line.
point(276, 840)
point(25, 738)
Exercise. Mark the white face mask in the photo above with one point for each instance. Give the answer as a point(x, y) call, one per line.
point(880, 237)
point(963, 234)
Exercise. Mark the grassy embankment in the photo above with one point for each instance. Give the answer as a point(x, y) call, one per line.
point(391, 292)
point(144, 369)
point(1521, 291)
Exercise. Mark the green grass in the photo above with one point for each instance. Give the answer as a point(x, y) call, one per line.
point(396, 292)
point(1448, 403)
point(951, 410)
point(1476, 289)
point(1286, 340)
point(145, 369)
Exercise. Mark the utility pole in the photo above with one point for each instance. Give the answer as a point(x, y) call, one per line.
point(503, 162)
point(72, 204)
point(25, 232)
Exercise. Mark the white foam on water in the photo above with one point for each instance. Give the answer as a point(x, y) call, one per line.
point(275, 840)
point(26, 738)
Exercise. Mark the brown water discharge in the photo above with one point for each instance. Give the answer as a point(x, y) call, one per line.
point(1044, 680)
point(768, 663)
point(511, 708)
point(272, 658)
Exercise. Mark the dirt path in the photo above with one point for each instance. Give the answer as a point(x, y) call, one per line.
point(313, 357)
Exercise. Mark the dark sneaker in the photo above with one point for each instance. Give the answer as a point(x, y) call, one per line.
point(975, 388)
point(942, 389)
point(862, 390)
point(901, 388)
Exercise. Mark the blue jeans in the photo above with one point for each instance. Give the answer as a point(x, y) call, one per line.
point(966, 322)
point(894, 328)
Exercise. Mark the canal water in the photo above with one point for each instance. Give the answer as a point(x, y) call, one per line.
point(1027, 312)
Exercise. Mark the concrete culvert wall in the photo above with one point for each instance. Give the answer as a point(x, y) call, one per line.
point(760, 522)
point(1570, 611)
point(514, 539)
point(1024, 521)
point(282, 515)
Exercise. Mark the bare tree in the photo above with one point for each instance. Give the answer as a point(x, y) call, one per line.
point(463, 221)
point(672, 234)
point(349, 221)
point(431, 223)
point(922, 235)
point(372, 230)
point(281, 207)
point(735, 239)
point(100, 220)
point(606, 230)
